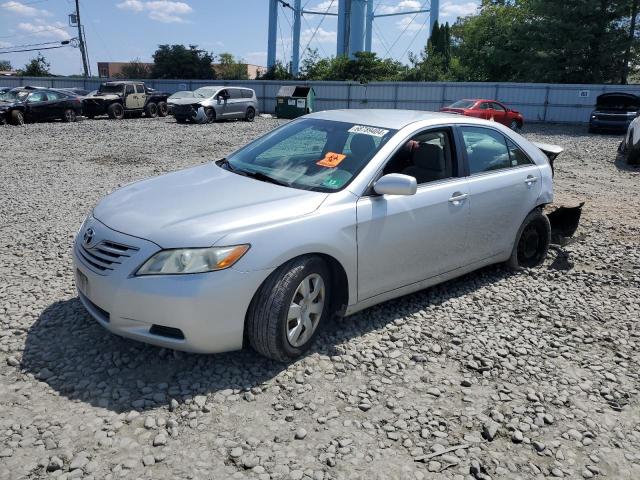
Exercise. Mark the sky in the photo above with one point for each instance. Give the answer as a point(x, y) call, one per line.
point(123, 30)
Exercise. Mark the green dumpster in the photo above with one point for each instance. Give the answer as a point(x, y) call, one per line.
point(295, 100)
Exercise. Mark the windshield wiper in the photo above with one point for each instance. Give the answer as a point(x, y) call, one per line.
point(262, 177)
point(226, 164)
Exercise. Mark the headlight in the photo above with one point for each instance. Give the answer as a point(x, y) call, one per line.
point(192, 260)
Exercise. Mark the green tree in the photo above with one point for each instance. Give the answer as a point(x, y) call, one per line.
point(364, 67)
point(178, 61)
point(228, 68)
point(135, 69)
point(37, 67)
point(276, 72)
point(435, 61)
point(5, 65)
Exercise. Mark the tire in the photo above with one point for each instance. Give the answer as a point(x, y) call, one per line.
point(151, 110)
point(211, 114)
point(115, 111)
point(632, 155)
point(514, 125)
point(269, 330)
point(17, 117)
point(250, 115)
point(69, 115)
point(181, 120)
point(532, 242)
point(163, 109)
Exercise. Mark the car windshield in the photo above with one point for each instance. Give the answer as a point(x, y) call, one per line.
point(204, 92)
point(462, 104)
point(311, 154)
point(110, 89)
point(182, 94)
point(15, 95)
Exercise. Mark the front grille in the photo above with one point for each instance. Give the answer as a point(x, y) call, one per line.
point(186, 109)
point(613, 117)
point(105, 256)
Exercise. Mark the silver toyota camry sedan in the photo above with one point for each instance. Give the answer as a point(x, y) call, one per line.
point(326, 215)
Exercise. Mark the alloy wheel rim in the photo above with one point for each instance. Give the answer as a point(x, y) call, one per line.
point(305, 310)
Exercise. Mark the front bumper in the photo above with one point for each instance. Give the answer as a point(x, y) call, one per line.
point(202, 313)
point(612, 125)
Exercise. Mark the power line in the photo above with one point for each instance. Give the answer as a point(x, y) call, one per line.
point(405, 29)
point(29, 45)
point(317, 28)
point(415, 36)
point(33, 49)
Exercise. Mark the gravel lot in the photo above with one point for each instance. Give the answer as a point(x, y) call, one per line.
point(493, 375)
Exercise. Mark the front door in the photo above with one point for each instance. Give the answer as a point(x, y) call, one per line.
point(504, 186)
point(499, 113)
point(130, 97)
point(405, 239)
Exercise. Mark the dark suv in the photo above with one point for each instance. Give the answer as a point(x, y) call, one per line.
point(614, 111)
point(118, 99)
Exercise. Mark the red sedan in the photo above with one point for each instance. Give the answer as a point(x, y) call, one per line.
point(489, 110)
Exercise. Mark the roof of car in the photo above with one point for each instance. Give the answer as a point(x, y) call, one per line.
point(394, 119)
point(123, 82)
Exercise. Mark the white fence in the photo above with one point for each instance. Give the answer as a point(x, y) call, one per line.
point(538, 102)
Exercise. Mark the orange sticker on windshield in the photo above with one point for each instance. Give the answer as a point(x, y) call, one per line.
point(331, 160)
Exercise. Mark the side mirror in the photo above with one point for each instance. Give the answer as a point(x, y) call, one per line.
point(396, 184)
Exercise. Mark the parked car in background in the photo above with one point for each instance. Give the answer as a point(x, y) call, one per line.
point(31, 104)
point(216, 103)
point(614, 112)
point(4, 90)
point(79, 92)
point(118, 99)
point(630, 146)
point(178, 95)
point(487, 110)
point(328, 214)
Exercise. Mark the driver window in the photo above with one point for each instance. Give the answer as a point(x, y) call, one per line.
point(428, 157)
point(485, 106)
point(486, 149)
point(128, 90)
point(498, 107)
point(223, 93)
point(140, 88)
point(38, 97)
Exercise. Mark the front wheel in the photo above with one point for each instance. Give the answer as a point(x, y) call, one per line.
point(288, 309)
point(514, 125)
point(250, 115)
point(69, 115)
point(532, 242)
point(17, 117)
point(211, 114)
point(115, 111)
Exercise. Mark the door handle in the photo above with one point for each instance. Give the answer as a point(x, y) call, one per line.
point(458, 197)
point(530, 180)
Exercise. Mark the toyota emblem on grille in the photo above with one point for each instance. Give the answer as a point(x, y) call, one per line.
point(88, 236)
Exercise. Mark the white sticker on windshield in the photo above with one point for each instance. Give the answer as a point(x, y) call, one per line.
point(373, 131)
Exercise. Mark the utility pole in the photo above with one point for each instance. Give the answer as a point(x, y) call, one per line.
point(83, 46)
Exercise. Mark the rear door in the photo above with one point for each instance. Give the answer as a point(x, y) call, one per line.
point(236, 103)
point(504, 186)
point(500, 113)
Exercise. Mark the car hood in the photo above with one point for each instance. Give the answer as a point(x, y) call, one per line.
point(614, 101)
point(196, 207)
point(4, 104)
point(109, 96)
point(188, 100)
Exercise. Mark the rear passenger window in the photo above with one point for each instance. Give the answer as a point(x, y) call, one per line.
point(235, 93)
point(486, 149)
point(140, 88)
point(427, 157)
point(518, 157)
point(247, 93)
point(51, 96)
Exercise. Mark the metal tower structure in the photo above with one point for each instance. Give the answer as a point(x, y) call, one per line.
point(355, 26)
